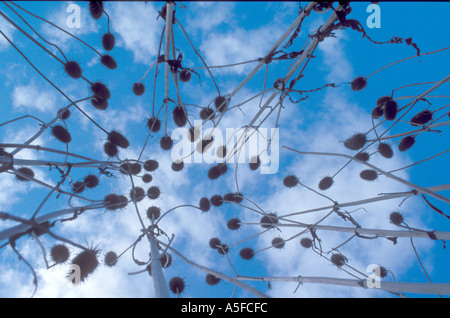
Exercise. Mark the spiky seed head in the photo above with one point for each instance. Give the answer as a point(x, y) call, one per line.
point(204, 144)
point(26, 171)
point(153, 212)
point(118, 139)
point(73, 69)
point(60, 253)
point(177, 166)
point(363, 156)
point(153, 192)
point(359, 83)
point(176, 285)
point(390, 109)
point(204, 204)
point(91, 181)
point(278, 242)
point(212, 280)
point(214, 242)
point(96, 9)
point(111, 259)
point(166, 260)
point(100, 90)
point(268, 220)
point(214, 172)
point(406, 143)
point(221, 152)
point(61, 133)
point(325, 183)
point(108, 61)
point(377, 112)
point(229, 197)
point(247, 253)
point(166, 143)
point(193, 134)
point(338, 259)
point(396, 218)
point(78, 187)
point(179, 116)
point(99, 102)
point(382, 272)
point(133, 168)
point(64, 113)
point(290, 181)
point(151, 165)
point(254, 163)
point(368, 174)
point(147, 178)
point(385, 150)
point(207, 113)
point(234, 224)
point(185, 75)
point(216, 200)
point(221, 103)
point(238, 197)
point(115, 202)
point(357, 141)
point(108, 41)
point(138, 89)
point(87, 262)
point(222, 249)
point(110, 149)
point(421, 118)
point(137, 194)
point(306, 242)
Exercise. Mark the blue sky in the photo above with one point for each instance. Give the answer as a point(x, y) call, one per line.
point(226, 33)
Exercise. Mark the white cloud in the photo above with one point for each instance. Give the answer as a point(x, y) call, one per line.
point(30, 97)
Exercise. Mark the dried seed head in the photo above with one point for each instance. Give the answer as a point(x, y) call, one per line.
point(26, 171)
point(87, 262)
point(78, 187)
point(110, 149)
point(359, 83)
point(204, 204)
point(204, 145)
point(91, 181)
point(60, 253)
point(166, 260)
point(108, 61)
point(108, 41)
point(363, 156)
point(96, 9)
point(166, 143)
point(130, 168)
point(138, 89)
point(151, 165)
point(179, 116)
point(212, 280)
point(193, 134)
point(153, 212)
point(357, 141)
point(406, 143)
point(338, 259)
point(214, 242)
point(64, 113)
point(185, 75)
point(137, 194)
point(385, 150)
point(207, 113)
point(216, 200)
point(118, 139)
point(325, 183)
point(381, 272)
point(221, 152)
point(111, 259)
point(99, 103)
point(247, 253)
point(390, 109)
point(254, 163)
point(221, 103)
point(278, 242)
point(153, 192)
point(176, 285)
point(306, 242)
point(100, 90)
point(115, 202)
point(61, 133)
point(396, 218)
point(177, 166)
point(421, 118)
point(238, 197)
point(268, 220)
point(73, 69)
point(214, 172)
point(234, 224)
point(222, 249)
point(147, 178)
point(290, 181)
point(369, 174)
